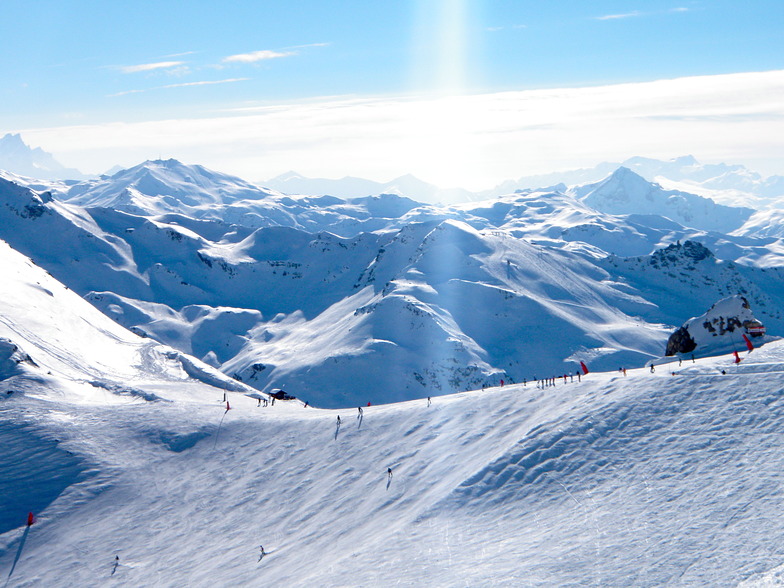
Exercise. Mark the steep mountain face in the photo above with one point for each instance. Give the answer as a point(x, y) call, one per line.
point(625, 192)
point(685, 276)
point(17, 157)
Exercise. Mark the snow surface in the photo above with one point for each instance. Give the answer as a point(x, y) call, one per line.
point(643, 479)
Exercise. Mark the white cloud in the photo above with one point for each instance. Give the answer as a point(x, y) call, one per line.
point(471, 141)
point(632, 14)
point(637, 13)
point(255, 56)
point(206, 83)
point(181, 85)
point(150, 66)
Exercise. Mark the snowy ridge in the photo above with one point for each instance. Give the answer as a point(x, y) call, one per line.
point(568, 484)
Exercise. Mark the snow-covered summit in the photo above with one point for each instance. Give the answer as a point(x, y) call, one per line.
point(625, 192)
point(155, 187)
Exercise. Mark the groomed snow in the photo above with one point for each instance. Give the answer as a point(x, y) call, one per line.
point(647, 479)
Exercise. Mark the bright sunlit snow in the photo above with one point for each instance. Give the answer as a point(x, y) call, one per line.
point(638, 479)
point(149, 318)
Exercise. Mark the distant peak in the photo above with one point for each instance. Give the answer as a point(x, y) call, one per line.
point(12, 138)
point(289, 175)
point(624, 171)
point(626, 176)
point(686, 160)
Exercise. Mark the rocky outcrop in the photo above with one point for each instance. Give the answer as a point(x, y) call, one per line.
point(680, 342)
point(728, 317)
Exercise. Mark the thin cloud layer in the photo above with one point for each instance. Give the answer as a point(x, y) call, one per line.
point(180, 85)
point(619, 16)
point(471, 141)
point(255, 56)
point(150, 66)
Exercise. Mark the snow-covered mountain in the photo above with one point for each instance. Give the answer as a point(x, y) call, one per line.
point(625, 192)
point(294, 291)
point(18, 158)
point(732, 185)
point(137, 474)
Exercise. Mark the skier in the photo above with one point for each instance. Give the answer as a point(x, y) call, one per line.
point(502, 383)
point(389, 473)
point(428, 401)
point(653, 369)
point(338, 420)
point(359, 410)
point(273, 401)
point(306, 404)
point(259, 404)
point(263, 553)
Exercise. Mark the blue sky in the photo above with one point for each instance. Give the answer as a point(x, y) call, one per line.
point(89, 64)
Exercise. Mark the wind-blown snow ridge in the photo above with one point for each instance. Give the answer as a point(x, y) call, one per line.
point(568, 484)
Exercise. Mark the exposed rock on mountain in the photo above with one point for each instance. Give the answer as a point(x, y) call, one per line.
point(723, 324)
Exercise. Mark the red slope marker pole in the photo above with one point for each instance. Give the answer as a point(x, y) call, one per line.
point(30, 521)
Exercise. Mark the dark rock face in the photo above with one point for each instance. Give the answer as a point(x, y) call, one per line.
point(687, 254)
point(680, 342)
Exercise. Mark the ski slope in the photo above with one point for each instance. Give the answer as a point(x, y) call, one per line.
point(123, 448)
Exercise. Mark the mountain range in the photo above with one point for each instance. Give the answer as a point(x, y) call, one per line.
point(387, 294)
point(733, 185)
point(482, 391)
point(128, 462)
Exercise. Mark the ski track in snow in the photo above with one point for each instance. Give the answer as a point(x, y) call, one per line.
point(616, 480)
